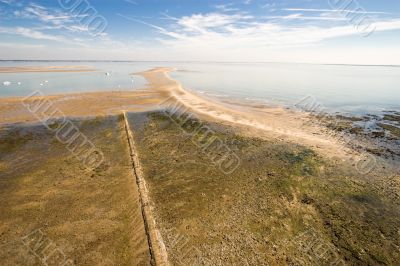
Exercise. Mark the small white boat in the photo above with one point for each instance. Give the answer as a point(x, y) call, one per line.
point(6, 83)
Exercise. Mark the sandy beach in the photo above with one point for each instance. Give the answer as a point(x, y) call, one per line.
point(275, 122)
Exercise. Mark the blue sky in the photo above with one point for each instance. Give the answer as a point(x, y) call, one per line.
point(331, 31)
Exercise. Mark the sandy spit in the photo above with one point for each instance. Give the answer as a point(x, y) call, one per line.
point(276, 122)
point(27, 69)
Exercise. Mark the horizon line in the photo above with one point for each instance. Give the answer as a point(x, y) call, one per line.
point(194, 61)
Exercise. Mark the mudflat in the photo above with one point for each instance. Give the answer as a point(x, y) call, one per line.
point(284, 204)
point(297, 195)
point(53, 209)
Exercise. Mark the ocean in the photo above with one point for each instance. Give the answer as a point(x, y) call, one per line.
point(346, 89)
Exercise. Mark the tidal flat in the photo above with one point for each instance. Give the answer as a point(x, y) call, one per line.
point(301, 191)
point(284, 205)
point(55, 210)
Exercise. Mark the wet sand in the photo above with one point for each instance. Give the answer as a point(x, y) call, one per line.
point(275, 123)
point(281, 189)
point(56, 211)
point(27, 69)
point(91, 104)
point(284, 204)
point(278, 123)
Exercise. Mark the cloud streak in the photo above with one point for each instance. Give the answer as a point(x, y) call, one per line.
point(30, 33)
point(54, 19)
point(334, 10)
point(222, 30)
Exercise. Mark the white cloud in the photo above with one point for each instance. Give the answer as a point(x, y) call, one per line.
point(226, 8)
point(211, 21)
point(54, 19)
point(30, 33)
point(236, 37)
point(8, 2)
point(298, 16)
point(334, 10)
point(243, 31)
point(227, 34)
point(34, 11)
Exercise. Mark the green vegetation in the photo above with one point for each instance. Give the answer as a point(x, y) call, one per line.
point(395, 131)
point(13, 140)
point(349, 118)
point(395, 118)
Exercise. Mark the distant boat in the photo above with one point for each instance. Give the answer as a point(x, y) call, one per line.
point(19, 83)
point(107, 73)
point(6, 83)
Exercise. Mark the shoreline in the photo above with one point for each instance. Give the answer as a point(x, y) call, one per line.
point(44, 69)
point(278, 123)
point(289, 170)
point(285, 125)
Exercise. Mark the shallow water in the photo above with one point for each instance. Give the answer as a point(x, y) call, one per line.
point(119, 78)
point(333, 88)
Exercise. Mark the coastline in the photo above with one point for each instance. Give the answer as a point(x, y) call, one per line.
point(289, 169)
point(277, 123)
point(39, 69)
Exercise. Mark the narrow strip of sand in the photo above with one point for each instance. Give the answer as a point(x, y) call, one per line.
point(27, 69)
point(274, 122)
point(277, 122)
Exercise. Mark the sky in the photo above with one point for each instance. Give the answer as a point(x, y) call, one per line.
point(303, 31)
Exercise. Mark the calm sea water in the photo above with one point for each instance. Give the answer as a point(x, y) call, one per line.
point(119, 78)
point(337, 88)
